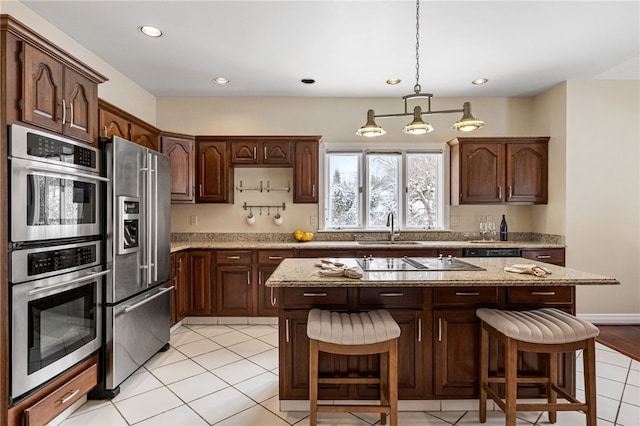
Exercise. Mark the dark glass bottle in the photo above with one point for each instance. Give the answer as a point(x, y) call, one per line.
point(503, 229)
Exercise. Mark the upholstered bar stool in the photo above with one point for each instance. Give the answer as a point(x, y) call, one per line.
point(364, 333)
point(545, 331)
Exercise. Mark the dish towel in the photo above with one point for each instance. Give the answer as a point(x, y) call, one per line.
point(340, 272)
point(528, 268)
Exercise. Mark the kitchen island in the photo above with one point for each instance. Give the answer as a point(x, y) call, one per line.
point(435, 309)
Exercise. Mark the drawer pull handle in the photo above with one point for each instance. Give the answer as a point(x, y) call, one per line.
point(543, 256)
point(69, 396)
point(462, 293)
point(543, 293)
point(233, 257)
point(315, 294)
point(274, 300)
point(275, 257)
point(388, 294)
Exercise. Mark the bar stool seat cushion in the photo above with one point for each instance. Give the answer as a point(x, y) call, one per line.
point(361, 328)
point(547, 325)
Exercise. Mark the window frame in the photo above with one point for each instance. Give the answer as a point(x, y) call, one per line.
point(442, 223)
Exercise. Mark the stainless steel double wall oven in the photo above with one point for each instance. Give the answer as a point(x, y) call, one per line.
point(56, 259)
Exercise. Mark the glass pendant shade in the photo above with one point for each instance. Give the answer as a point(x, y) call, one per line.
point(370, 129)
point(417, 126)
point(468, 122)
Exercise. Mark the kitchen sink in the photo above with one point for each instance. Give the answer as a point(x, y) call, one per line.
point(388, 242)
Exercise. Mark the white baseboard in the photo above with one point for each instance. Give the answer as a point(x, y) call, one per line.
point(611, 319)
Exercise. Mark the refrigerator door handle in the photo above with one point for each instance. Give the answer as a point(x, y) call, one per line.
point(130, 308)
point(155, 219)
point(148, 226)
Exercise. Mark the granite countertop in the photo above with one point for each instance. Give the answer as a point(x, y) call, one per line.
point(355, 245)
point(300, 272)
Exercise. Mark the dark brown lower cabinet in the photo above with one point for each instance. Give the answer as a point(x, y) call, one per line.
point(455, 359)
point(294, 351)
point(200, 267)
point(234, 290)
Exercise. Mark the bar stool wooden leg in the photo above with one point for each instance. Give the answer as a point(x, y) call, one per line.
point(589, 367)
point(484, 372)
point(313, 382)
point(552, 396)
point(511, 381)
point(393, 381)
point(384, 384)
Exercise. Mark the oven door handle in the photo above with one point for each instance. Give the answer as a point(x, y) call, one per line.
point(51, 172)
point(128, 309)
point(66, 283)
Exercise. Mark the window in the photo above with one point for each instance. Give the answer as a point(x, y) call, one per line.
point(364, 186)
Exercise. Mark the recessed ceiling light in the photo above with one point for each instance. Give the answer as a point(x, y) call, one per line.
point(479, 81)
point(220, 80)
point(393, 81)
point(308, 80)
point(150, 31)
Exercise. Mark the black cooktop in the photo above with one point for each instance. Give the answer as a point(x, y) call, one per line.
point(415, 264)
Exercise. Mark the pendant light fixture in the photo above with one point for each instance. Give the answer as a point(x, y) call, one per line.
point(418, 126)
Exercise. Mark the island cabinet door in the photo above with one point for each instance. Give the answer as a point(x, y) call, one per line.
point(294, 360)
point(456, 352)
point(411, 364)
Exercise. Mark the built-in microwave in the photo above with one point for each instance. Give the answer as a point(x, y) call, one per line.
point(56, 187)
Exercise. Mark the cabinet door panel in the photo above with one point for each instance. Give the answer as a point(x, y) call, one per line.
point(182, 158)
point(183, 294)
point(212, 173)
point(234, 290)
point(305, 183)
point(276, 153)
point(456, 349)
point(81, 96)
point(200, 277)
point(113, 125)
point(411, 374)
point(294, 365)
point(526, 173)
point(42, 80)
point(244, 152)
point(143, 136)
point(482, 171)
point(268, 297)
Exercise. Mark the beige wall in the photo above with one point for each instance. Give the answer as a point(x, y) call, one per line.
point(603, 190)
point(119, 90)
point(336, 119)
point(549, 119)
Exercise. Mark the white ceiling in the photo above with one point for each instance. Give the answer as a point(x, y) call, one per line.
point(352, 47)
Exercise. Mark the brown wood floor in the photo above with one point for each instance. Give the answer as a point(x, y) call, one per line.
point(623, 338)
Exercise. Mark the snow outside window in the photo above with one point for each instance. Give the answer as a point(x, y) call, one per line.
point(363, 187)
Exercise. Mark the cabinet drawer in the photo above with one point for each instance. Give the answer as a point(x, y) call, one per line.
point(310, 297)
point(553, 256)
point(540, 295)
point(59, 400)
point(273, 257)
point(233, 256)
point(390, 297)
point(465, 296)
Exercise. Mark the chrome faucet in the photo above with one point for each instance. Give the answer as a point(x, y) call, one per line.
point(390, 222)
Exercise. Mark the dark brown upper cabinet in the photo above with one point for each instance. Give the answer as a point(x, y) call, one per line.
point(181, 152)
point(261, 152)
point(117, 122)
point(214, 176)
point(499, 170)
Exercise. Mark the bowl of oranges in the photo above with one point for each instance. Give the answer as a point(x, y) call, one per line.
point(302, 236)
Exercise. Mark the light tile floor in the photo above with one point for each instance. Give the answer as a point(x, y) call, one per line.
point(228, 375)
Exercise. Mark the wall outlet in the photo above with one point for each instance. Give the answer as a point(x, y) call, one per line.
point(455, 220)
point(313, 220)
point(489, 218)
point(193, 220)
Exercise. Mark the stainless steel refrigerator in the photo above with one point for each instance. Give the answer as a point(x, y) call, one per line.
point(137, 247)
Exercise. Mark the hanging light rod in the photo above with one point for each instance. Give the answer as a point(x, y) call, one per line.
point(418, 126)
